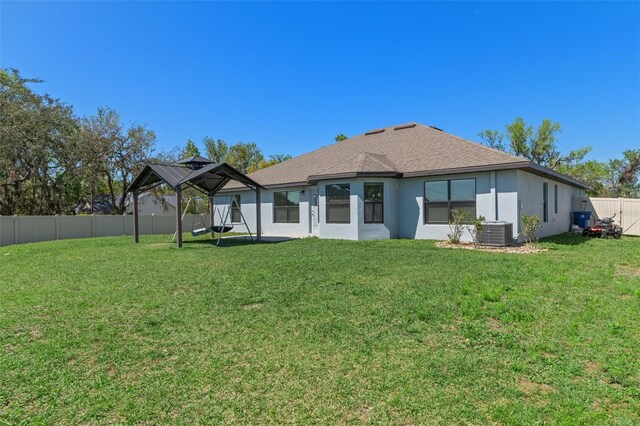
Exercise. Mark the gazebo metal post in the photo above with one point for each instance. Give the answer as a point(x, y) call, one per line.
point(211, 210)
point(136, 229)
point(179, 216)
point(258, 216)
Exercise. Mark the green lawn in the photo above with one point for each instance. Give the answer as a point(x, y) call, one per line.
point(317, 331)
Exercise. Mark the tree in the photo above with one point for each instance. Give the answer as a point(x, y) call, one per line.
point(273, 159)
point(112, 154)
point(626, 172)
point(244, 156)
point(37, 140)
point(190, 149)
point(216, 149)
point(595, 174)
point(97, 137)
point(129, 154)
point(538, 145)
point(615, 178)
point(340, 137)
point(493, 139)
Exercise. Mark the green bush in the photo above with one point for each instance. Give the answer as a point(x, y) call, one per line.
point(476, 228)
point(456, 224)
point(529, 226)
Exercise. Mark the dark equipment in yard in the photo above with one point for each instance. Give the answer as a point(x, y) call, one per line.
point(582, 218)
point(497, 233)
point(603, 228)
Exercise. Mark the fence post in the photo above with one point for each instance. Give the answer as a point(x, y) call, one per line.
point(620, 201)
point(15, 229)
point(153, 224)
point(93, 225)
point(124, 224)
point(57, 227)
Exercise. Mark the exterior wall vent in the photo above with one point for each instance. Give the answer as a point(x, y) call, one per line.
point(405, 126)
point(373, 132)
point(497, 234)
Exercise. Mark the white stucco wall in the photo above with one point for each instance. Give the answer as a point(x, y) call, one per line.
point(343, 231)
point(530, 201)
point(507, 198)
point(411, 199)
point(248, 208)
point(357, 229)
point(389, 227)
point(500, 195)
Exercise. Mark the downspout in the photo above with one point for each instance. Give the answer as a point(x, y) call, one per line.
point(494, 189)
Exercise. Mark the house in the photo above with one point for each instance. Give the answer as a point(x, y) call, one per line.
point(101, 205)
point(401, 182)
point(150, 203)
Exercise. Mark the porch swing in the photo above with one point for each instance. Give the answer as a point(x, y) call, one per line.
point(224, 217)
point(219, 229)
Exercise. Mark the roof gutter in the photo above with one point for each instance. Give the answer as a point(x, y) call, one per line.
point(539, 170)
point(316, 178)
point(524, 165)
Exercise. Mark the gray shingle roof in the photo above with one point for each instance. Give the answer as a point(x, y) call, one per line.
point(405, 150)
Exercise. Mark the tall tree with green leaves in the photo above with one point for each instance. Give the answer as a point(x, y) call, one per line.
point(273, 159)
point(538, 145)
point(190, 150)
point(626, 174)
point(98, 135)
point(244, 156)
point(216, 149)
point(110, 152)
point(38, 134)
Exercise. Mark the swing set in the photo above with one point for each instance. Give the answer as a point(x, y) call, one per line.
point(205, 176)
point(223, 213)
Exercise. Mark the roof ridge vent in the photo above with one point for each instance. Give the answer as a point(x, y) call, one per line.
point(437, 128)
point(373, 132)
point(405, 126)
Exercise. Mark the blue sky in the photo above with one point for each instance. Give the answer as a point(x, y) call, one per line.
point(290, 76)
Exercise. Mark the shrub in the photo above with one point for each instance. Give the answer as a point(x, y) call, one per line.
point(476, 228)
point(529, 225)
point(456, 225)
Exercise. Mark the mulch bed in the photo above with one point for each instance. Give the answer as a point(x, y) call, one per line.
point(519, 249)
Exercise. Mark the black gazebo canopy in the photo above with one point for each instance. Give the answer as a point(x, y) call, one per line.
point(196, 172)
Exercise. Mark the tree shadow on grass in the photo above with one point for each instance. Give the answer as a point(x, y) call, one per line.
point(236, 241)
point(566, 239)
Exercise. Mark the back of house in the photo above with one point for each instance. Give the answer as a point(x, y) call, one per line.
point(400, 181)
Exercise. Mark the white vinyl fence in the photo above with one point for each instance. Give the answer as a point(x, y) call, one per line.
point(627, 211)
point(29, 229)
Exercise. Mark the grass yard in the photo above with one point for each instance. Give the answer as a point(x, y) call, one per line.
point(316, 331)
